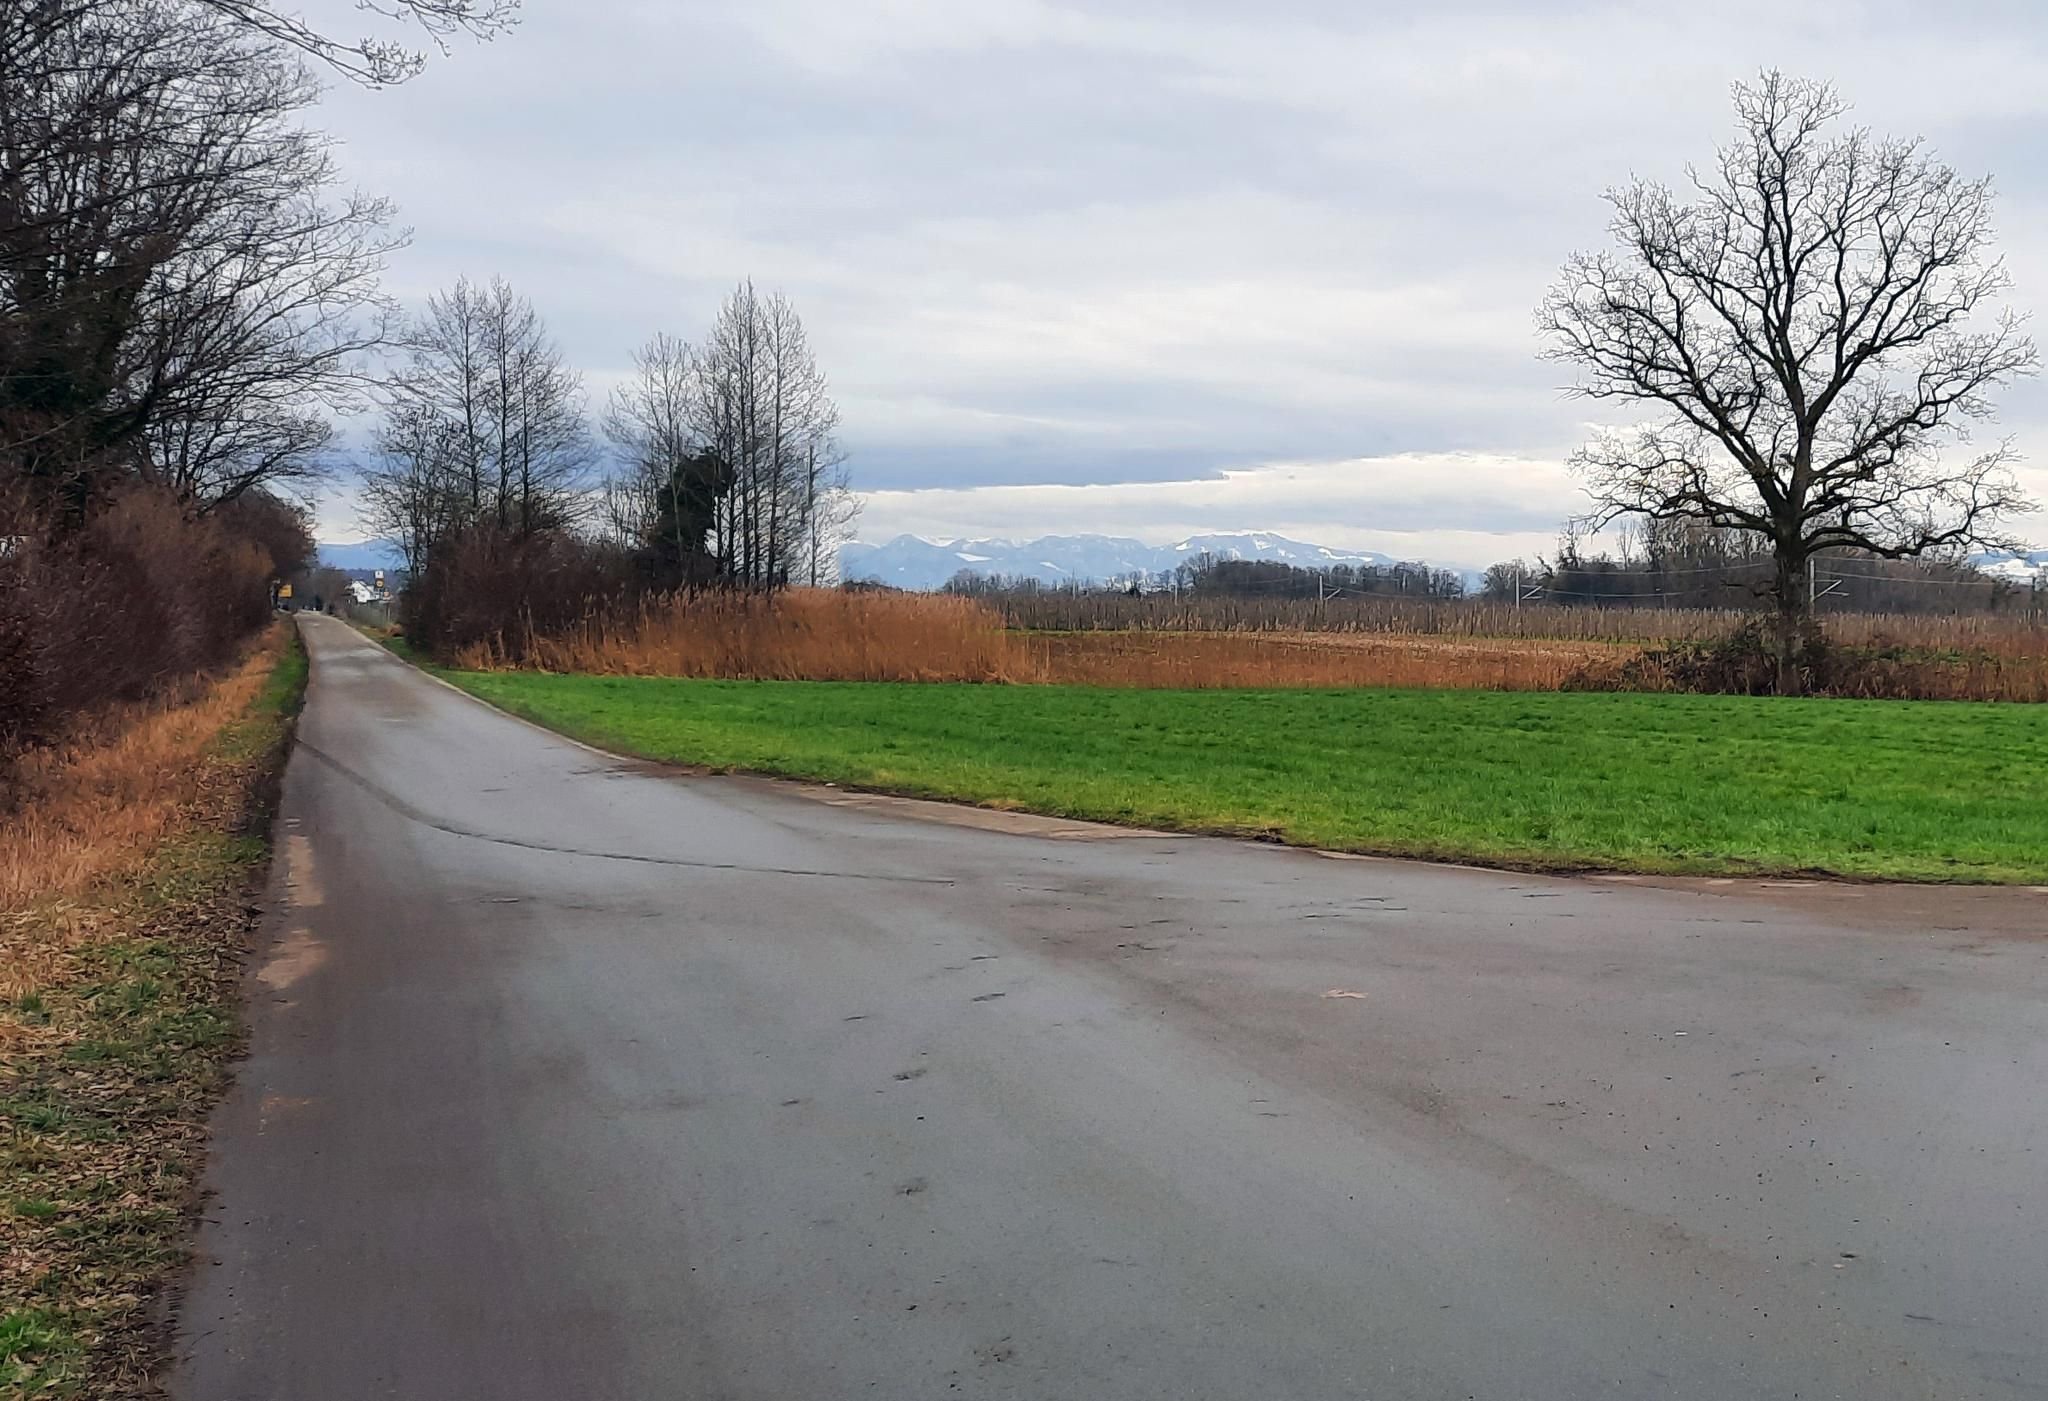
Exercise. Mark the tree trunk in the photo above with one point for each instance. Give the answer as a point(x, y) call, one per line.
point(1791, 622)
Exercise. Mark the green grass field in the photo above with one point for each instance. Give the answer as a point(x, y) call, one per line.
point(1704, 784)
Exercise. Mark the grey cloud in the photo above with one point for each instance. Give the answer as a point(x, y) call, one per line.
point(1135, 240)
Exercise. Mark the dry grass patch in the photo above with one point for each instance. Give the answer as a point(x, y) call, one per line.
point(97, 806)
point(128, 862)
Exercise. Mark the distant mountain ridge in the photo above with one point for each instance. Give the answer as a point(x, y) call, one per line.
point(359, 554)
point(2024, 567)
point(913, 562)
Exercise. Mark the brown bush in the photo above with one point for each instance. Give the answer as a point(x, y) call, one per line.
point(1739, 663)
point(494, 593)
point(1871, 667)
point(118, 609)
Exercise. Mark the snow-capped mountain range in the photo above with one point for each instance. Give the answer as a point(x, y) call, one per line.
point(359, 554)
point(912, 562)
point(2025, 569)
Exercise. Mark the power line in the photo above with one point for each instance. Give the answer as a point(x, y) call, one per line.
point(1836, 571)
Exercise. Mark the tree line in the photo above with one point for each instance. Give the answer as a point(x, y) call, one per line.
point(184, 297)
point(190, 300)
point(1659, 564)
point(722, 469)
point(1685, 564)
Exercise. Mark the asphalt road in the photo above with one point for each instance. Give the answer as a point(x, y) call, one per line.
point(575, 1079)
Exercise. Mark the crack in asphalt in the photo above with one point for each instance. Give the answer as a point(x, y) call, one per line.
point(426, 819)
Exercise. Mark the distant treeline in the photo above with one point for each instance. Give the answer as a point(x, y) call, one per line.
point(1675, 565)
point(1666, 567)
point(1207, 576)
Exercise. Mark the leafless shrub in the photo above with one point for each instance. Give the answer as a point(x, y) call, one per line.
point(143, 594)
point(496, 592)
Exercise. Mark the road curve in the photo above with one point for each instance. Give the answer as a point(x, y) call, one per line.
point(573, 1078)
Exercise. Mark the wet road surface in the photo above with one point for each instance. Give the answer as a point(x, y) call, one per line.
point(573, 1078)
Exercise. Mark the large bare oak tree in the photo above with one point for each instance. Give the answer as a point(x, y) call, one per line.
point(1809, 332)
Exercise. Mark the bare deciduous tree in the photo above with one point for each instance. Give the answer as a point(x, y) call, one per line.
point(648, 421)
point(830, 509)
point(1800, 331)
point(376, 61)
point(484, 425)
point(416, 493)
point(664, 499)
point(761, 405)
point(540, 436)
point(181, 298)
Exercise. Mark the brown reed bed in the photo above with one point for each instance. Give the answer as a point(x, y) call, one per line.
point(830, 635)
point(798, 635)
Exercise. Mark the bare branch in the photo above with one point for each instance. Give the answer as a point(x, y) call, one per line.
point(374, 61)
point(1806, 336)
point(183, 296)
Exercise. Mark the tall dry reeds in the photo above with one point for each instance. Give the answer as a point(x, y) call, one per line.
point(796, 635)
point(827, 635)
point(96, 807)
point(2008, 636)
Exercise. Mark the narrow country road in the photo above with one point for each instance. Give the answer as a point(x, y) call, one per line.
point(575, 1079)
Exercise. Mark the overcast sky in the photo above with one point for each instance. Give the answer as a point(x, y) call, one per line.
point(1145, 268)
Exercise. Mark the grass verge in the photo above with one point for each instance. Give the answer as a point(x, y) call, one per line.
point(119, 1014)
point(1902, 790)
